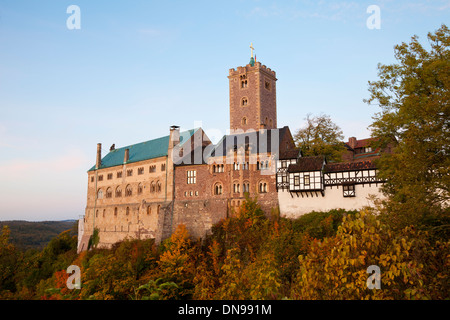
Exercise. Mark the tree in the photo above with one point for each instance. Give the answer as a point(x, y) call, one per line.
point(336, 267)
point(8, 262)
point(414, 96)
point(320, 136)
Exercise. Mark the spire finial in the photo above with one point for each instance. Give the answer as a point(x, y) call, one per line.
point(251, 48)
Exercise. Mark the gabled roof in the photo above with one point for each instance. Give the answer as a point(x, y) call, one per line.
point(142, 151)
point(259, 141)
point(307, 164)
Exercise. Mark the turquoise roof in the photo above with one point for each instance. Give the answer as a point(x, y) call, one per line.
point(142, 151)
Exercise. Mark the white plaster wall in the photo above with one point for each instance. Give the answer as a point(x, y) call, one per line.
point(293, 207)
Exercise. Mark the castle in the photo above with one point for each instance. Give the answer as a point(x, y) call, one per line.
point(146, 190)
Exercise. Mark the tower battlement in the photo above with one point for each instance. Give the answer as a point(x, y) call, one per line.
point(249, 68)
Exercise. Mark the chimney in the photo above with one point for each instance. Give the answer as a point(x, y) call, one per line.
point(98, 162)
point(127, 156)
point(174, 136)
point(352, 142)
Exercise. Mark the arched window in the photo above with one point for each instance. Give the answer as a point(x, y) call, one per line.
point(149, 210)
point(244, 120)
point(218, 189)
point(271, 123)
point(152, 187)
point(118, 192)
point(128, 191)
point(100, 194)
point(115, 212)
point(128, 211)
point(246, 186)
point(236, 187)
point(262, 187)
point(244, 101)
point(104, 211)
point(158, 186)
point(158, 208)
point(108, 193)
point(139, 188)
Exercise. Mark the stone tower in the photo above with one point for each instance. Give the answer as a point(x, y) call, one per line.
point(252, 97)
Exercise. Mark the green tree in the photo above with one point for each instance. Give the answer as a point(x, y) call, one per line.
point(414, 121)
point(8, 262)
point(320, 136)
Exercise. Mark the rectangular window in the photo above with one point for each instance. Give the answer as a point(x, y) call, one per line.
point(110, 176)
point(119, 174)
point(306, 179)
point(152, 169)
point(296, 181)
point(140, 170)
point(348, 190)
point(191, 176)
point(92, 179)
point(100, 177)
point(163, 167)
point(129, 173)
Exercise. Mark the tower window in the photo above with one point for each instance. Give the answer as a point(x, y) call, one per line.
point(244, 102)
point(267, 85)
point(244, 120)
point(244, 84)
point(191, 176)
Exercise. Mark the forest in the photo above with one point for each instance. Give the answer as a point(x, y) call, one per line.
point(321, 255)
point(35, 235)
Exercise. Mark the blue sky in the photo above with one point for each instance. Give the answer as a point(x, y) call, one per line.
point(137, 67)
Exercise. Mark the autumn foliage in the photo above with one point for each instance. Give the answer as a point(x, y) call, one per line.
point(321, 255)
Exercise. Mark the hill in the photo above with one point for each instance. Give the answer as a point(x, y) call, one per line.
point(36, 235)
